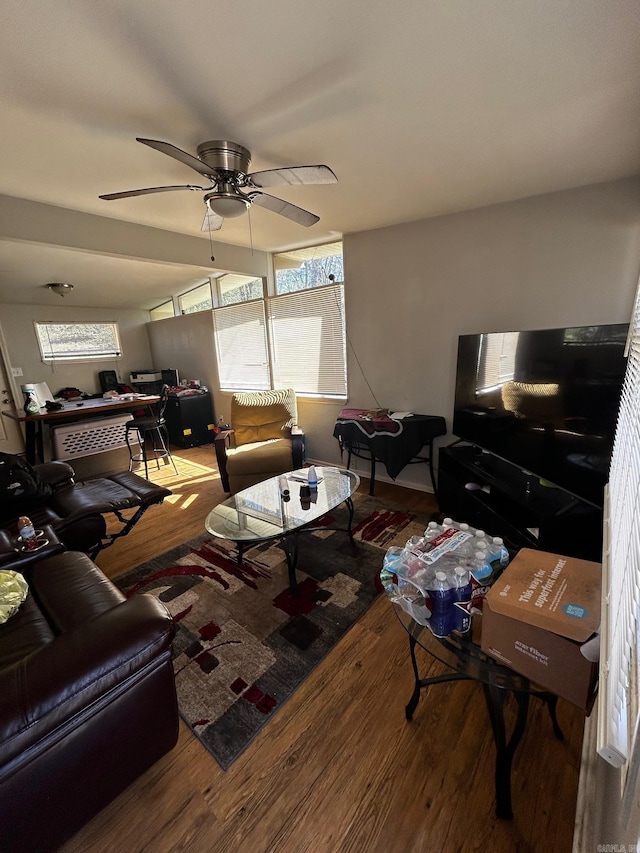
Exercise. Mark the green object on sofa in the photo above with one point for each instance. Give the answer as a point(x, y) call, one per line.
point(13, 591)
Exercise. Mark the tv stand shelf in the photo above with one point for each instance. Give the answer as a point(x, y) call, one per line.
point(480, 488)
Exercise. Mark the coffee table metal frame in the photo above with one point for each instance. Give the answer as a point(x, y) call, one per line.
point(260, 513)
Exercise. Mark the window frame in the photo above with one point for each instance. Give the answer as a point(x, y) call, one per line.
point(312, 255)
point(52, 357)
point(153, 319)
point(202, 286)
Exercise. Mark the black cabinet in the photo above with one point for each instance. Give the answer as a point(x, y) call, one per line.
point(477, 487)
point(190, 420)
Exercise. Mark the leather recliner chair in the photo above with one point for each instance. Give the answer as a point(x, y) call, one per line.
point(76, 511)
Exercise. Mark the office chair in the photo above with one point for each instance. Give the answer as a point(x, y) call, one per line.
point(153, 427)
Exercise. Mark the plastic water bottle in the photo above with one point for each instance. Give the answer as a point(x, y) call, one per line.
point(465, 552)
point(500, 551)
point(31, 405)
point(27, 533)
point(481, 567)
point(441, 595)
point(432, 530)
point(391, 566)
point(461, 593)
point(312, 478)
point(498, 557)
point(449, 522)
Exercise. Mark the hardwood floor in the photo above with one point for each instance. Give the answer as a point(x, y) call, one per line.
point(338, 768)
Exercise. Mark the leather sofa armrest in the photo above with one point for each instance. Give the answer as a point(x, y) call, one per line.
point(55, 473)
point(76, 671)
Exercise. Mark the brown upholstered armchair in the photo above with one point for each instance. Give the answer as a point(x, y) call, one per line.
point(264, 440)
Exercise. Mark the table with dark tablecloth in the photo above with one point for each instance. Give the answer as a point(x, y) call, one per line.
point(395, 443)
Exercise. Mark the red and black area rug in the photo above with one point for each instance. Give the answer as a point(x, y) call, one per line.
point(243, 642)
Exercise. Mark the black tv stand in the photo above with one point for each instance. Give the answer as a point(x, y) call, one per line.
point(480, 488)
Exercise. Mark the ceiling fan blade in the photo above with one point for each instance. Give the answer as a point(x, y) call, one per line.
point(211, 221)
point(178, 154)
point(148, 190)
point(284, 208)
point(293, 175)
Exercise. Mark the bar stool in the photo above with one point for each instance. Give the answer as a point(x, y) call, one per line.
point(155, 427)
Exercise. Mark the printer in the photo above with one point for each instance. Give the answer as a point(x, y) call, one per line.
point(138, 376)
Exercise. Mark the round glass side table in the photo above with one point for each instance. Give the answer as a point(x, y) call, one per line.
point(466, 661)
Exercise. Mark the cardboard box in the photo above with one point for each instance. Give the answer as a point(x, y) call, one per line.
point(537, 615)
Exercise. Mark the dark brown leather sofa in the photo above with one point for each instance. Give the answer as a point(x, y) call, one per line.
point(87, 699)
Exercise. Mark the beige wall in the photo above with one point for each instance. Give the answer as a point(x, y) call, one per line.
point(564, 258)
point(17, 323)
point(186, 343)
point(29, 221)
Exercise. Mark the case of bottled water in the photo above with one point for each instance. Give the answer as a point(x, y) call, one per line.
point(441, 577)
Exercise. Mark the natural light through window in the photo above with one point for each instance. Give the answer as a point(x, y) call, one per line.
point(162, 312)
point(78, 341)
point(197, 299)
point(300, 269)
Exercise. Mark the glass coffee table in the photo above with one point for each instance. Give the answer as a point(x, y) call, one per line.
point(260, 513)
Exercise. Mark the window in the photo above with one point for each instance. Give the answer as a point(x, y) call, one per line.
point(161, 312)
point(78, 341)
point(619, 700)
point(295, 340)
point(241, 347)
point(198, 299)
point(238, 288)
point(301, 269)
point(308, 341)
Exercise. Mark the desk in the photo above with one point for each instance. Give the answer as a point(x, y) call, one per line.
point(467, 662)
point(394, 443)
point(70, 412)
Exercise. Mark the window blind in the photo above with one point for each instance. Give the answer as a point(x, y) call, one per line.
point(618, 717)
point(308, 341)
point(77, 341)
point(241, 347)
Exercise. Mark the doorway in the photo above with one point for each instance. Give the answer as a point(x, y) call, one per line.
point(11, 436)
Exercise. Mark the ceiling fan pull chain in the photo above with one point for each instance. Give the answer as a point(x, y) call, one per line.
point(250, 230)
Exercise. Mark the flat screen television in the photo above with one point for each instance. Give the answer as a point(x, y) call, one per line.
point(545, 400)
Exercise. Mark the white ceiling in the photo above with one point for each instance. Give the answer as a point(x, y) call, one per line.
point(421, 109)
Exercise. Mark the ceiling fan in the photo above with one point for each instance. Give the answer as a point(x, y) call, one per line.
point(226, 166)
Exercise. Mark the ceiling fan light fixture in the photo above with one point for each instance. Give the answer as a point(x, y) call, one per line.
point(59, 287)
point(228, 206)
